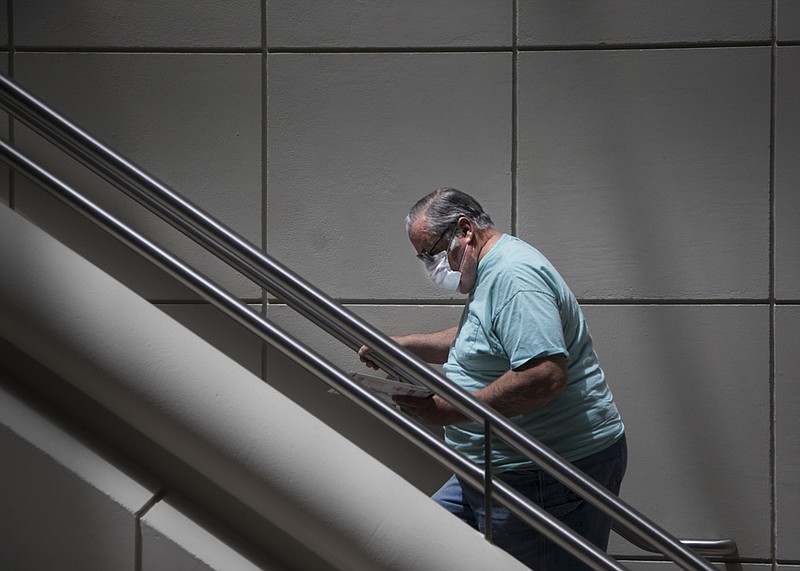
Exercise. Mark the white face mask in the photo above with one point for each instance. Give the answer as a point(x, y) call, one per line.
point(441, 274)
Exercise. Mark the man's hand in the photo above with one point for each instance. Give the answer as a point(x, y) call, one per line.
point(363, 353)
point(429, 410)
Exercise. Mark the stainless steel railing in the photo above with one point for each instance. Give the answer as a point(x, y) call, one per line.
point(336, 320)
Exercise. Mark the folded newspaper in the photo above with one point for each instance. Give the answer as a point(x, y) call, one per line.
point(390, 387)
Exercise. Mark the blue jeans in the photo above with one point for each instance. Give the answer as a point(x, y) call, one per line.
point(607, 467)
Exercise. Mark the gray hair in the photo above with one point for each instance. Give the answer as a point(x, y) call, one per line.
point(444, 206)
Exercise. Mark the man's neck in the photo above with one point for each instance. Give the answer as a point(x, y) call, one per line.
point(486, 241)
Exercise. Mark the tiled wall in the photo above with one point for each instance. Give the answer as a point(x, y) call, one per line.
point(651, 151)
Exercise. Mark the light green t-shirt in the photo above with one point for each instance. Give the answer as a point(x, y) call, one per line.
point(520, 309)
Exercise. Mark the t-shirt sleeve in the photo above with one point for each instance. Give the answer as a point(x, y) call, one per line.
point(528, 326)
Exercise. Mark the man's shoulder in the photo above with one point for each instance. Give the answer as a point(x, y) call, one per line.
point(520, 267)
point(515, 255)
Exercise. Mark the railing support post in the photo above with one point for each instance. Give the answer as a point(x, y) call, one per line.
point(487, 479)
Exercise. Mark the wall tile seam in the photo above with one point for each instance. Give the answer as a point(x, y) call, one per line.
point(521, 48)
point(775, 303)
point(646, 46)
point(264, 345)
point(773, 350)
point(676, 302)
point(265, 298)
point(210, 50)
point(199, 302)
point(643, 559)
point(206, 50)
point(710, 302)
point(514, 230)
point(11, 52)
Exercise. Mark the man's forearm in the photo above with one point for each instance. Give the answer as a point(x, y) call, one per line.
point(528, 388)
point(519, 391)
point(430, 347)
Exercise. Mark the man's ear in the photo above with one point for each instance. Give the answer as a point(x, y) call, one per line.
point(465, 228)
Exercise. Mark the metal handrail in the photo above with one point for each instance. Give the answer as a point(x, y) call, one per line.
point(330, 316)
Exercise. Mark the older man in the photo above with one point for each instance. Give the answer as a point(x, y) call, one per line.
point(522, 347)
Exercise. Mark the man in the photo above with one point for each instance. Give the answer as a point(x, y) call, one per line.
point(522, 347)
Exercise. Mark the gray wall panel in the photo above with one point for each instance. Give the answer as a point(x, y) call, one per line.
point(645, 174)
point(788, 20)
point(692, 385)
point(787, 176)
point(356, 139)
point(389, 23)
point(110, 23)
point(787, 427)
point(555, 23)
point(4, 39)
point(190, 121)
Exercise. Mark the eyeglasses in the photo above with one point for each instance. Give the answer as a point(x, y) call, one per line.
point(427, 256)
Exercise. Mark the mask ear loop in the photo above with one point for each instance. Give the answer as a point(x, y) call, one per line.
point(464, 255)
